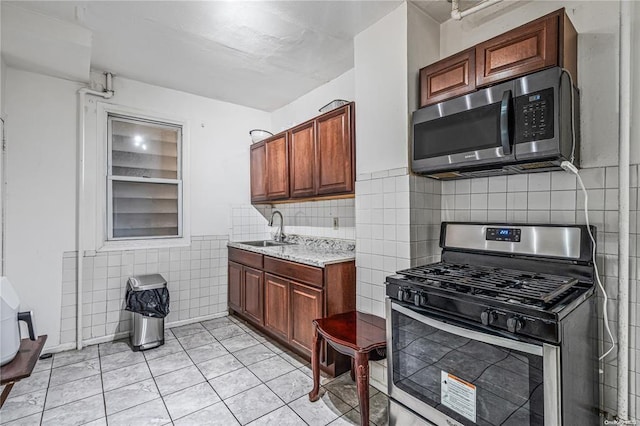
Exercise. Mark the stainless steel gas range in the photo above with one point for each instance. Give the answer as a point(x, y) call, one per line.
point(502, 331)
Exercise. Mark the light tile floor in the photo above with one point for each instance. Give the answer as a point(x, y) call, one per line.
point(217, 372)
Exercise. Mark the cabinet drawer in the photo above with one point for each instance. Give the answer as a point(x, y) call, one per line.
point(296, 271)
point(245, 257)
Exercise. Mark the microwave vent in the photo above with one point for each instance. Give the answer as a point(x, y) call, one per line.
point(539, 165)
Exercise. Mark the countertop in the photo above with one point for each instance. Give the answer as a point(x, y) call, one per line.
point(302, 253)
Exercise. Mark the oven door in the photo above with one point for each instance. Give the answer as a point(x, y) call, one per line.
point(452, 374)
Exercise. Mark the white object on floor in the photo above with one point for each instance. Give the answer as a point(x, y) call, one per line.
point(9, 331)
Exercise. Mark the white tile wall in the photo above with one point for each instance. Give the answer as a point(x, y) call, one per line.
point(196, 277)
point(311, 218)
point(397, 221)
point(315, 218)
point(555, 197)
point(249, 222)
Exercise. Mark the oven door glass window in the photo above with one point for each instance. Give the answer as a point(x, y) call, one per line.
point(481, 383)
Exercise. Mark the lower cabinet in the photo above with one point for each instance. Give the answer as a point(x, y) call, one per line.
point(246, 291)
point(283, 298)
point(253, 290)
point(276, 305)
point(235, 286)
point(306, 305)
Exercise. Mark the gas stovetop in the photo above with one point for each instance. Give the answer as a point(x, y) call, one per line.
point(536, 289)
point(522, 279)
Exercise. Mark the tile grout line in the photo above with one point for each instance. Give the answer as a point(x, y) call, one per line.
point(46, 395)
point(104, 399)
point(153, 377)
point(207, 380)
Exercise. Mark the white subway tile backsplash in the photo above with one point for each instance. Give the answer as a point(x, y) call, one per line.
point(517, 183)
point(479, 185)
point(516, 201)
point(593, 178)
point(562, 181)
point(498, 184)
point(563, 200)
point(497, 201)
point(463, 186)
point(540, 182)
point(479, 201)
point(462, 201)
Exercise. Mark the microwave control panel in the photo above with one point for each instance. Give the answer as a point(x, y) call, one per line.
point(534, 116)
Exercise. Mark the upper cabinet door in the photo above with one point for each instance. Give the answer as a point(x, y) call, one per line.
point(277, 167)
point(302, 154)
point(335, 152)
point(453, 76)
point(528, 48)
point(258, 172)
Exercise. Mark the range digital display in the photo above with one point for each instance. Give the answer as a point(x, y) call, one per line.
point(511, 235)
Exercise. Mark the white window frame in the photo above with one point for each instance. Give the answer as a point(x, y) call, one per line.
point(104, 180)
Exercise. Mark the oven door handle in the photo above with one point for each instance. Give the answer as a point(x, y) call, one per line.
point(468, 333)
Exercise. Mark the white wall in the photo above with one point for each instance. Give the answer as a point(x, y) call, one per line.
point(41, 186)
point(635, 98)
point(380, 58)
point(219, 147)
point(423, 48)
point(597, 26)
point(307, 106)
point(41, 174)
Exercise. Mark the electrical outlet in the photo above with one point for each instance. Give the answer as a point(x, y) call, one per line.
point(335, 223)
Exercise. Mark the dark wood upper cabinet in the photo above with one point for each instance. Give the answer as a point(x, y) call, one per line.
point(549, 41)
point(302, 154)
point(334, 152)
point(315, 159)
point(258, 167)
point(277, 156)
point(453, 76)
point(528, 48)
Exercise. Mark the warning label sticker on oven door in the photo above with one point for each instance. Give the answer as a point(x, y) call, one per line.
point(458, 395)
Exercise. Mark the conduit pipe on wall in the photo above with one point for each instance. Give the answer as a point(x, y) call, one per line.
point(82, 93)
point(624, 109)
point(458, 15)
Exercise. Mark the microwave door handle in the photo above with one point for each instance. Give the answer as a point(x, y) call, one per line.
point(505, 105)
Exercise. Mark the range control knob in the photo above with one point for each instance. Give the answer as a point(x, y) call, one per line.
point(515, 324)
point(488, 317)
point(401, 292)
point(419, 299)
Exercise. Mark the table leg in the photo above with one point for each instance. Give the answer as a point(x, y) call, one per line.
point(5, 393)
point(362, 384)
point(353, 370)
point(315, 364)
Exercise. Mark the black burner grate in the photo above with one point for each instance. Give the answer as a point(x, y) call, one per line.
point(520, 284)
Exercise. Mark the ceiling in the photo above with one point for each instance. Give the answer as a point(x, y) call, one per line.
point(262, 54)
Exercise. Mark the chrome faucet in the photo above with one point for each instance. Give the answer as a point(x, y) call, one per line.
point(279, 235)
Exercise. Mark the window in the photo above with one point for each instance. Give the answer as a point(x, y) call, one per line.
point(144, 179)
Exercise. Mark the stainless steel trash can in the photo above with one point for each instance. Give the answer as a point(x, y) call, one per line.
point(147, 332)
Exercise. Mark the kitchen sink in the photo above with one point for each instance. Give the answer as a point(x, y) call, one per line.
point(264, 243)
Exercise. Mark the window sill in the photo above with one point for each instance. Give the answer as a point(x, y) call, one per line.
point(144, 244)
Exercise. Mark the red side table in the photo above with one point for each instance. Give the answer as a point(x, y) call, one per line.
point(358, 335)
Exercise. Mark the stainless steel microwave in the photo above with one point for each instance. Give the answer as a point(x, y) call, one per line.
point(519, 126)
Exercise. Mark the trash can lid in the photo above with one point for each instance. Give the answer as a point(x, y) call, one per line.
point(147, 282)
